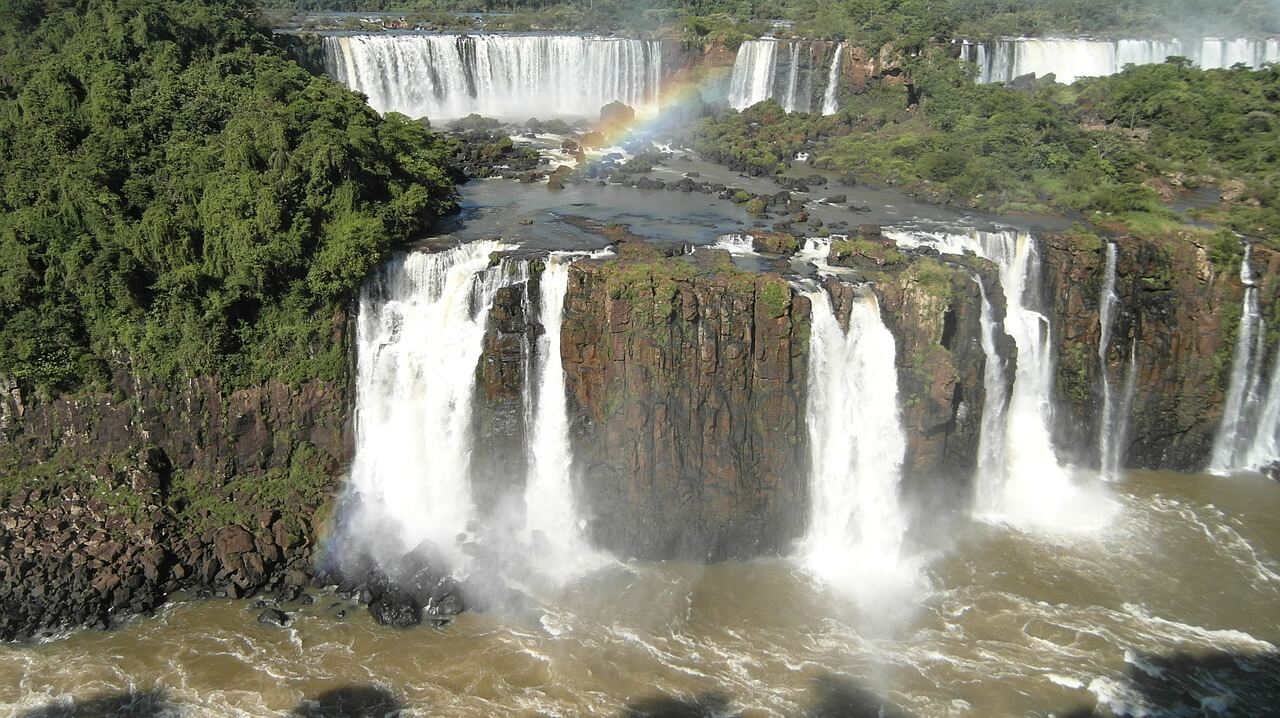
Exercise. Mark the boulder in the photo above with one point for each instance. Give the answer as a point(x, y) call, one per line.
point(274, 617)
point(396, 609)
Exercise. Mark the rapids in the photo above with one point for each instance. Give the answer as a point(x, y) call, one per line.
point(1172, 607)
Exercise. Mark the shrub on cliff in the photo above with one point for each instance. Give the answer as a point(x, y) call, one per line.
point(177, 195)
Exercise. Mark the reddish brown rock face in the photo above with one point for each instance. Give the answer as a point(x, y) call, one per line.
point(685, 386)
point(1181, 308)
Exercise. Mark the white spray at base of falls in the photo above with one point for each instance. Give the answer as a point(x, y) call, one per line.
point(559, 547)
point(1247, 434)
point(857, 523)
point(444, 76)
point(1033, 489)
point(830, 101)
point(1108, 449)
point(419, 336)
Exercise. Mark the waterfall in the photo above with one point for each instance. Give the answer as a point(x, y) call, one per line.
point(1108, 453)
point(1236, 431)
point(753, 70)
point(1033, 488)
point(419, 334)
point(761, 72)
point(1264, 449)
point(555, 528)
point(857, 444)
point(830, 101)
point(1070, 59)
point(992, 431)
point(445, 76)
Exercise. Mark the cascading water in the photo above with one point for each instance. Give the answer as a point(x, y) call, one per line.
point(1246, 437)
point(419, 335)
point(559, 546)
point(1070, 59)
point(780, 70)
point(991, 461)
point(1108, 451)
point(1032, 489)
point(753, 70)
point(514, 76)
point(857, 523)
point(830, 101)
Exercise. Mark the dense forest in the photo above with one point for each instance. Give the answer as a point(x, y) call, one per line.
point(177, 197)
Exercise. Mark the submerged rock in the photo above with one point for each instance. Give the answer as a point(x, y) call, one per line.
point(274, 617)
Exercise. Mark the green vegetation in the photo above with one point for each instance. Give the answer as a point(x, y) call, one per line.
point(177, 198)
point(1104, 148)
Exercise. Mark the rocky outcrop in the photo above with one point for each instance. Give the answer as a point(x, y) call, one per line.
point(111, 501)
point(685, 379)
point(933, 307)
point(1180, 305)
point(499, 415)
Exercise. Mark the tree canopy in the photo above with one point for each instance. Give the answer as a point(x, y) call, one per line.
point(177, 197)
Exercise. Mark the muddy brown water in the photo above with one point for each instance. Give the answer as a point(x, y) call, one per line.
point(1172, 610)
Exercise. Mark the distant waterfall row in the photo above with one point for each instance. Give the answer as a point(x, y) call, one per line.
point(443, 76)
point(790, 72)
point(1070, 59)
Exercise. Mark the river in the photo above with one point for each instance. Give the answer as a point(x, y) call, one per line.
point(1172, 607)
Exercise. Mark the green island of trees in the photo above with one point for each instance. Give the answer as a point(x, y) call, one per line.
point(177, 198)
point(1108, 148)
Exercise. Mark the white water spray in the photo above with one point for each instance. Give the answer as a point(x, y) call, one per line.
point(419, 335)
point(857, 523)
point(1034, 489)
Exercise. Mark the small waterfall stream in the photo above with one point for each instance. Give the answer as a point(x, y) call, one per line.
point(1241, 404)
point(830, 101)
point(857, 444)
point(419, 335)
point(991, 435)
point(558, 545)
point(1108, 450)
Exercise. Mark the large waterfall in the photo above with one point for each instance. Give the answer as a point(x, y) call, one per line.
point(1249, 433)
point(1070, 59)
point(785, 71)
point(1032, 487)
point(857, 523)
point(444, 76)
point(419, 336)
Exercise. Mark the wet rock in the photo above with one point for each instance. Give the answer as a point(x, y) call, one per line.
point(396, 609)
point(274, 617)
point(835, 199)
